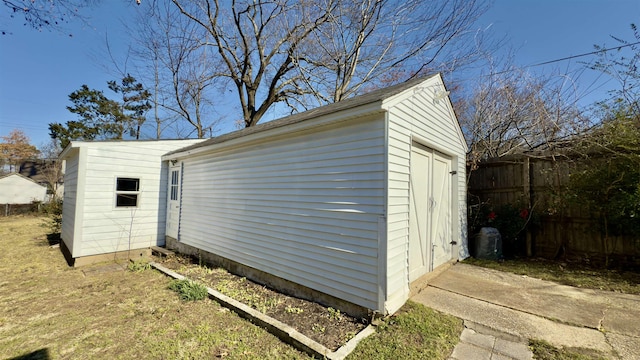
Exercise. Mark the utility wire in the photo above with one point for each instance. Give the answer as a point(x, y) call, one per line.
point(582, 55)
point(561, 59)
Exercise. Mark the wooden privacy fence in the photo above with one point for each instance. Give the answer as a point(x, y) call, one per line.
point(553, 227)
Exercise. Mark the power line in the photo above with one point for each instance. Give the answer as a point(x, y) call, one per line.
point(557, 60)
point(582, 55)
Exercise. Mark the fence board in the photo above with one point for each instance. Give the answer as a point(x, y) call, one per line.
point(536, 182)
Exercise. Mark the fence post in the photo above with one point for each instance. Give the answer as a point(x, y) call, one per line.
point(526, 180)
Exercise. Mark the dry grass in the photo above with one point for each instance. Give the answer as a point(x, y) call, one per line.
point(52, 311)
point(568, 273)
point(542, 350)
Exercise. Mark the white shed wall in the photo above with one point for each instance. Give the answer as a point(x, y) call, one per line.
point(70, 200)
point(15, 189)
point(105, 228)
point(304, 207)
point(432, 123)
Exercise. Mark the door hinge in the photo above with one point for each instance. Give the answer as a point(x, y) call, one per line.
point(454, 242)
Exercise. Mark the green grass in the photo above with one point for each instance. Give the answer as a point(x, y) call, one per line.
point(572, 274)
point(542, 350)
point(139, 265)
point(189, 290)
point(414, 332)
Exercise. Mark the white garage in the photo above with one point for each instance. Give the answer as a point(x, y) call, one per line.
point(355, 200)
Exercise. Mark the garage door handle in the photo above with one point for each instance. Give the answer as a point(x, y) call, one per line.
point(454, 242)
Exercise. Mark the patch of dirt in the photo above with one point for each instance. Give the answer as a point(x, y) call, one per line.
point(325, 325)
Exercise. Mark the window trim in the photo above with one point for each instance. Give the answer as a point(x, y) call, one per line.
point(118, 193)
point(174, 188)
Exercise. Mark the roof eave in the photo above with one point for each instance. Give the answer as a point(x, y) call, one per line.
point(300, 125)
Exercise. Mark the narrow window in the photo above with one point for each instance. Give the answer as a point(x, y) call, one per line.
point(175, 174)
point(127, 192)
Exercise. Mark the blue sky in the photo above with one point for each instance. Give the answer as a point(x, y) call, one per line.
point(38, 70)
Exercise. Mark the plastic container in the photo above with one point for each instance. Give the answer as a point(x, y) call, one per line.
point(488, 244)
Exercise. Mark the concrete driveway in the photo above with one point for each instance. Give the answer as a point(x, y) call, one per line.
point(530, 308)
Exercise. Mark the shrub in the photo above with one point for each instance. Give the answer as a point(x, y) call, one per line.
point(53, 210)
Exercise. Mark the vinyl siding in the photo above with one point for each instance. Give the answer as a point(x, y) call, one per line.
point(107, 228)
point(69, 203)
point(418, 116)
point(15, 189)
point(304, 207)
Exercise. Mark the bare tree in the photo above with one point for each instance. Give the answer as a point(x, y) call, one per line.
point(622, 66)
point(328, 50)
point(45, 14)
point(301, 53)
point(52, 167)
point(170, 52)
point(510, 111)
point(374, 42)
point(257, 43)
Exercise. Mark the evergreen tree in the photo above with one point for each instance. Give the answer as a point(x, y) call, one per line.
point(102, 118)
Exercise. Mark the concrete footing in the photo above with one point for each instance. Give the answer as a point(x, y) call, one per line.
point(272, 281)
point(132, 254)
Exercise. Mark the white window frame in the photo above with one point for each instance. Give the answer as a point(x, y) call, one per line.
point(118, 193)
point(174, 187)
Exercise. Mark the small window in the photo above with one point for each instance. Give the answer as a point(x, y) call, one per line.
point(127, 192)
point(175, 175)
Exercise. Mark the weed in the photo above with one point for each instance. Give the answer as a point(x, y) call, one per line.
point(318, 328)
point(139, 265)
point(235, 290)
point(199, 270)
point(348, 336)
point(293, 310)
point(334, 314)
point(270, 303)
point(188, 290)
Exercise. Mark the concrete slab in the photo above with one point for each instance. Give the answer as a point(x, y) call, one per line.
point(627, 347)
point(543, 298)
point(490, 343)
point(619, 317)
point(465, 351)
point(493, 332)
point(496, 356)
point(494, 303)
point(510, 321)
point(512, 349)
point(474, 338)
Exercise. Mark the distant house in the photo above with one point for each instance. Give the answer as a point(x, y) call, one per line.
point(350, 202)
point(19, 189)
point(44, 172)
